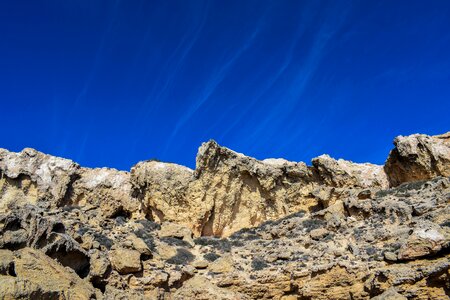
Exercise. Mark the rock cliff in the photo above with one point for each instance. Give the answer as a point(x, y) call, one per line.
point(233, 228)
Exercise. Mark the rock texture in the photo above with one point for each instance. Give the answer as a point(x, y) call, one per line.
point(233, 228)
point(418, 157)
point(229, 191)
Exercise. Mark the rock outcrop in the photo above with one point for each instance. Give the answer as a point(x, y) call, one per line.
point(31, 177)
point(34, 177)
point(233, 228)
point(229, 191)
point(418, 157)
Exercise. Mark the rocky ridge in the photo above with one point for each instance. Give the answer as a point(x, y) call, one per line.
point(233, 228)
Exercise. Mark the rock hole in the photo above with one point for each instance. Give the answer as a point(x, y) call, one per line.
point(121, 215)
point(12, 270)
point(12, 224)
point(74, 259)
point(59, 228)
point(145, 257)
point(318, 207)
point(101, 282)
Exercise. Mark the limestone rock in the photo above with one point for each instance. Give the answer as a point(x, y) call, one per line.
point(109, 189)
point(200, 264)
point(26, 227)
point(6, 262)
point(343, 173)
point(390, 256)
point(125, 260)
point(99, 266)
point(233, 228)
point(425, 240)
point(222, 265)
point(390, 294)
point(139, 245)
point(318, 233)
point(226, 192)
point(163, 187)
point(31, 177)
point(38, 276)
point(176, 231)
point(201, 288)
point(418, 157)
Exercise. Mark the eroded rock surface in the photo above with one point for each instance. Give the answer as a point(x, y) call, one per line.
point(34, 177)
point(233, 228)
point(418, 157)
point(229, 191)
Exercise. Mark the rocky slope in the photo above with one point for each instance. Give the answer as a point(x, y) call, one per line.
point(233, 228)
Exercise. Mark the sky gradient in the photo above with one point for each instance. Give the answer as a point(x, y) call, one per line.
point(110, 83)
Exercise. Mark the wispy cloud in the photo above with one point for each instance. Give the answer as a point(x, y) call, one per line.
point(260, 93)
point(210, 87)
point(173, 65)
point(98, 55)
point(90, 77)
point(279, 111)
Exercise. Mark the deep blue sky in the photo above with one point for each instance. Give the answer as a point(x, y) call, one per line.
point(110, 83)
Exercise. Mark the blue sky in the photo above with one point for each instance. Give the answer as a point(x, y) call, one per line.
point(110, 83)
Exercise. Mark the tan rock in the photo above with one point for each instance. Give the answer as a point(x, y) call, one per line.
point(222, 265)
point(201, 288)
point(30, 176)
point(16, 237)
point(38, 276)
point(239, 189)
point(99, 265)
point(390, 294)
point(165, 251)
point(125, 260)
point(156, 278)
point(109, 189)
point(169, 229)
point(139, 245)
point(343, 173)
point(164, 187)
point(318, 233)
point(418, 157)
point(6, 262)
point(390, 256)
point(12, 288)
point(424, 241)
point(336, 283)
point(200, 264)
point(229, 191)
point(329, 231)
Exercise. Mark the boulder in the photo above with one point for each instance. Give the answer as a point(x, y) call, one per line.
point(177, 231)
point(317, 234)
point(37, 276)
point(426, 239)
point(418, 157)
point(125, 261)
point(343, 173)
